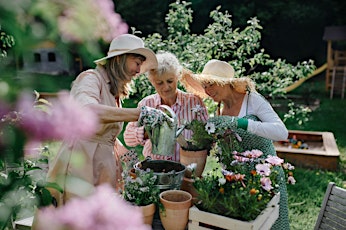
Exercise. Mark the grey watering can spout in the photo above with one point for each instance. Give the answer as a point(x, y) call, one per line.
point(164, 137)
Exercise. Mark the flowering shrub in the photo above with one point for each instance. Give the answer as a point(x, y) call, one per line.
point(141, 189)
point(243, 190)
point(102, 210)
point(24, 127)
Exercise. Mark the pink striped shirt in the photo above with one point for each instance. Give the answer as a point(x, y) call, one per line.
point(183, 108)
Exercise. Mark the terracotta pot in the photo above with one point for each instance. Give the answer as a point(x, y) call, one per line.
point(148, 213)
point(176, 203)
point(200, 157)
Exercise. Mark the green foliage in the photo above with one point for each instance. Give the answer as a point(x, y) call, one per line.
point(240, 47)
point(6, 42)
point(23, 187)
point(200, 138)
point(299, 115)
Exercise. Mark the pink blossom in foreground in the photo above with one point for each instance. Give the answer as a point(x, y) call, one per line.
point(71, 120)
point(4, 109)
point(66, 119)
point(88, 20)
point(103, 210)
point(34, 122)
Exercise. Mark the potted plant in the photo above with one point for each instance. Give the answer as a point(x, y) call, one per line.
point(140, 189)
point(195, 149)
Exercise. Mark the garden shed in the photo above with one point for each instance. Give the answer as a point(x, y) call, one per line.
point(46, 58)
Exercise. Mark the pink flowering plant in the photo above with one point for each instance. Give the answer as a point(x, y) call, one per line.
point(25, 126)
point(244, 189)
point(104, 209)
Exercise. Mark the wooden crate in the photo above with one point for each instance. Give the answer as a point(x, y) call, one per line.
point(322, 153)
point(200, 220)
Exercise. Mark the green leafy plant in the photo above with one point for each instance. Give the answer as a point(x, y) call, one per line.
point(23, 187)
point(140, 188)
point(200, 138)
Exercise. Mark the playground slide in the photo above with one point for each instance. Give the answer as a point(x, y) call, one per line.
point(300, 81)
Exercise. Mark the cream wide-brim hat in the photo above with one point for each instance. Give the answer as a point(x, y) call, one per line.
point(214, 71)
point(128, 43)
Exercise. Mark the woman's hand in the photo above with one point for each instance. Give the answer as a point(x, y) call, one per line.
point(152, 117)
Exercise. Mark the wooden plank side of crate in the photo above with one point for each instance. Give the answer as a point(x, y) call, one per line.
point(268, 215)
point(265, 220)
point(196, 216)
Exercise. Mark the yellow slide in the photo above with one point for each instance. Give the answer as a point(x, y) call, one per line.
point(300, 81)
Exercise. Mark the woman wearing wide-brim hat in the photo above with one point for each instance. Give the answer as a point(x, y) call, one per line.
point(256, 121)
point(82, 164)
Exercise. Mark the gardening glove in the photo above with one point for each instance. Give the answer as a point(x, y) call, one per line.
point(242, 123)
point(153, 117)
point(230, 122)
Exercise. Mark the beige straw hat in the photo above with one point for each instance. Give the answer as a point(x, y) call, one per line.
point(215, 71)
point(128, 43)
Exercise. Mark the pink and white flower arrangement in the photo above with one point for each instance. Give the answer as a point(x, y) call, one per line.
point(245, 188)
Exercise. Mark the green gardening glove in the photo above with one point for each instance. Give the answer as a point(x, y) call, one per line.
point(242, 123)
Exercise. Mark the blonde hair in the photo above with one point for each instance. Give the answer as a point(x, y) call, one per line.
point(243, 84)
point(117, 72)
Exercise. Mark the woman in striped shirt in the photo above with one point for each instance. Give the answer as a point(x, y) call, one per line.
point(165, 80)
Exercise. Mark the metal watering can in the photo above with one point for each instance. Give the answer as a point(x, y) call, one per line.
point(164, 137)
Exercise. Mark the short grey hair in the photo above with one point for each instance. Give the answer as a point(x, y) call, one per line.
point(167, 63)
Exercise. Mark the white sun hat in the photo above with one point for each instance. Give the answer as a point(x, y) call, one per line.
point(214, 71)
point(128, 43)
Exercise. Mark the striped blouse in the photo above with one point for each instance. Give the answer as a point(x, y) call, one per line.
point(183, 108)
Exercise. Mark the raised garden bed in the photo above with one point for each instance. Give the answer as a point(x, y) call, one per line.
point(321, 152)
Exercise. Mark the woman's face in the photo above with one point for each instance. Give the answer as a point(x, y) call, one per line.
point(133, 65)
point(165, 85)
point(215, 91)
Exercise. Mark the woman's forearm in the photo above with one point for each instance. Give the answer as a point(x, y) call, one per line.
point(108, 114)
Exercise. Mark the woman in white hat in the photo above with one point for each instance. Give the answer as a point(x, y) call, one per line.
point(256, 121)
point(82, 164)
point(165, 81)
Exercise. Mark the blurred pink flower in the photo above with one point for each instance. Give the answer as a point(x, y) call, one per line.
point(71, 120)
point(90, 20)
point(66, 119)
point(103, 210)
point(34, 122)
